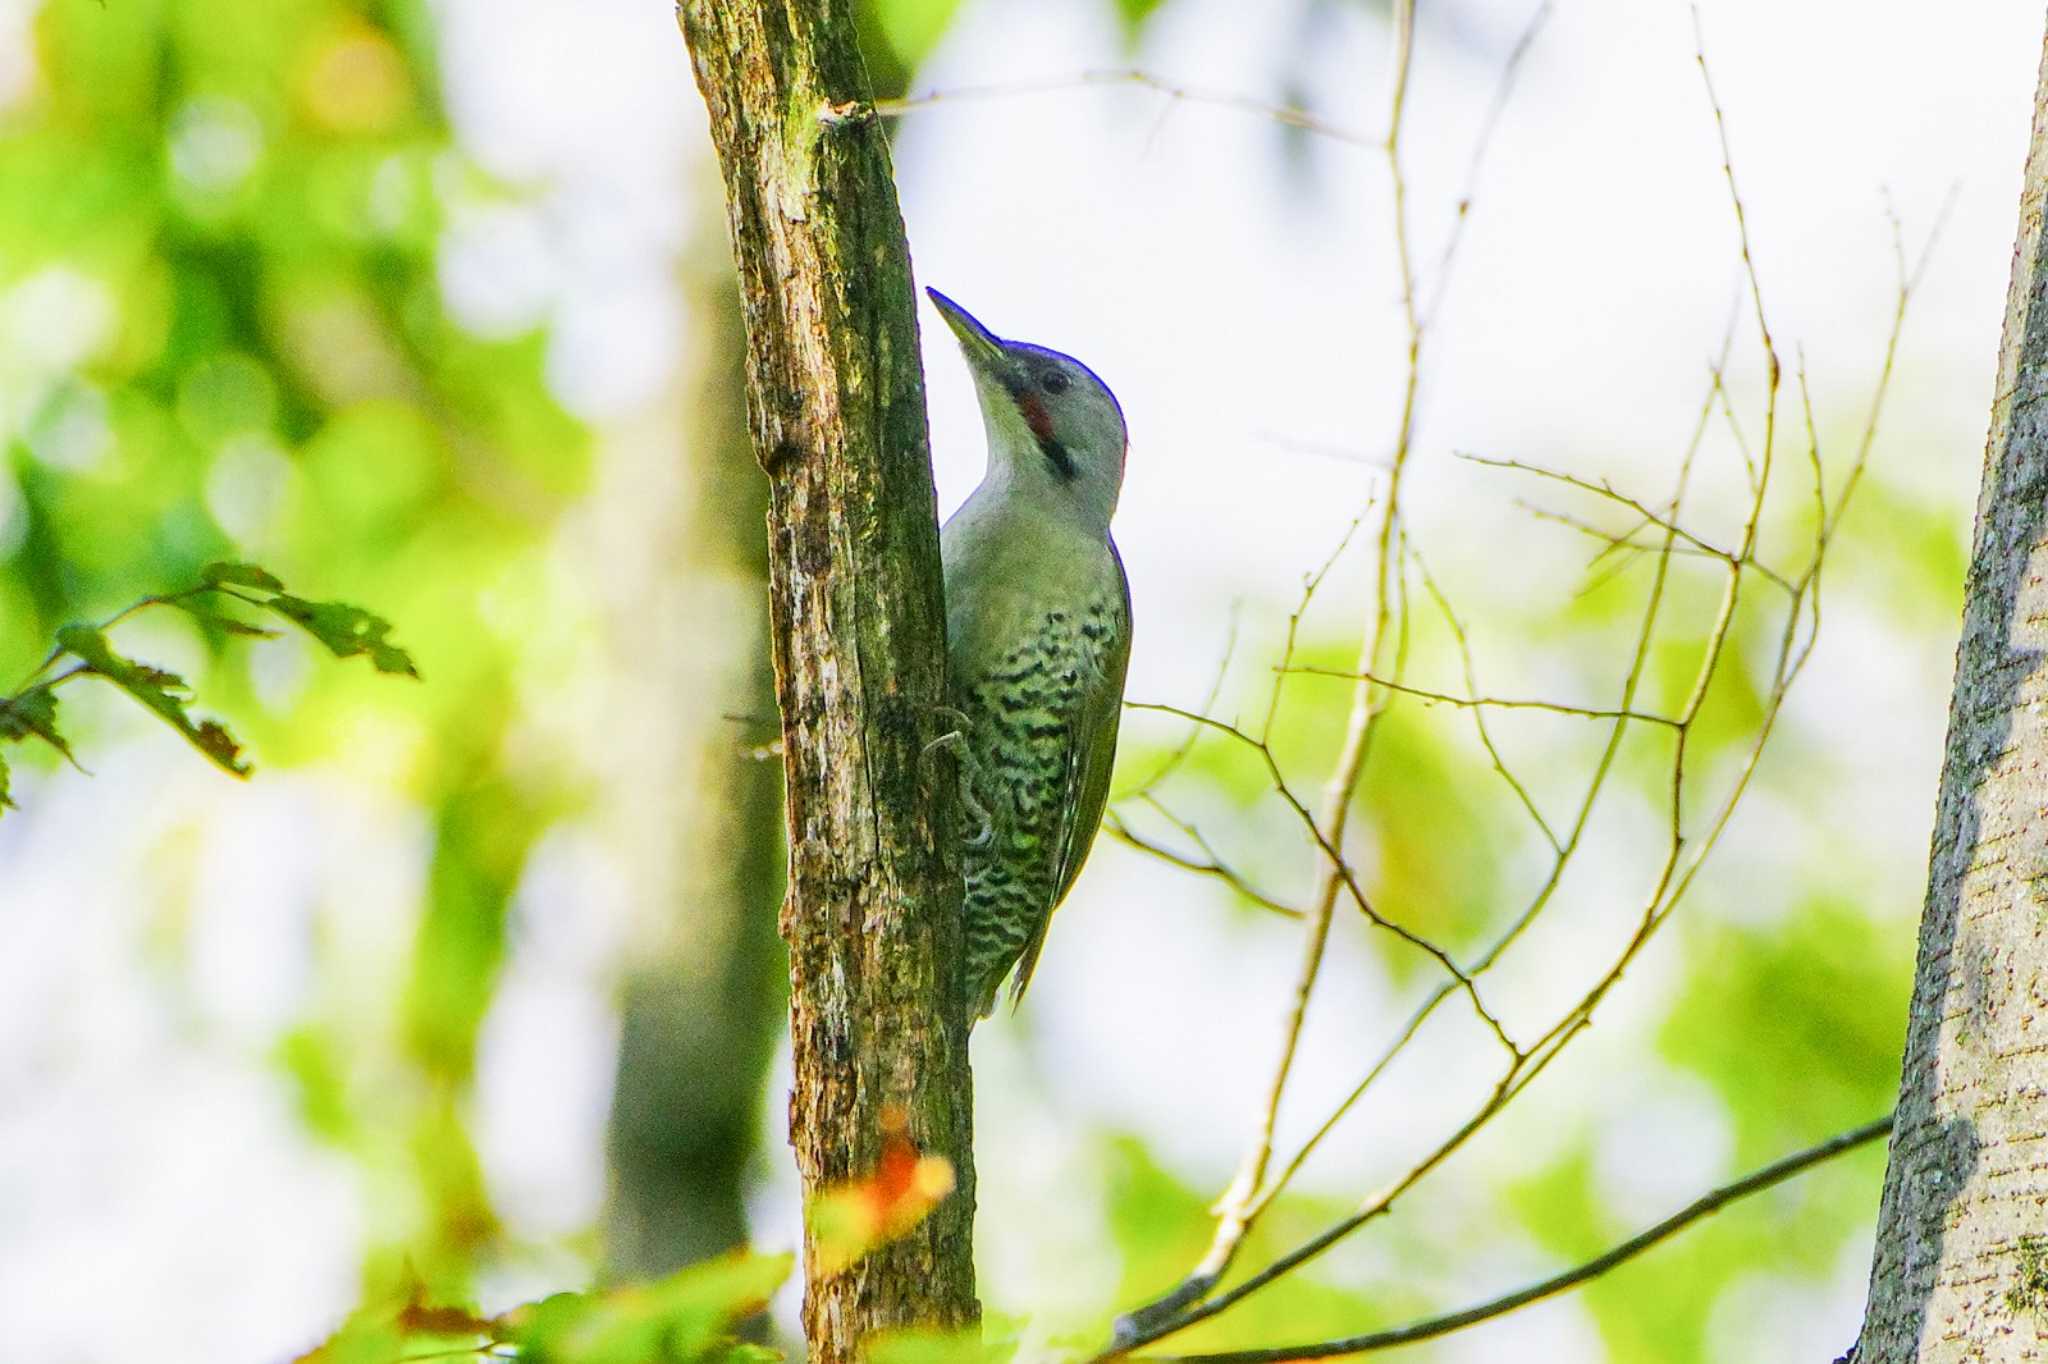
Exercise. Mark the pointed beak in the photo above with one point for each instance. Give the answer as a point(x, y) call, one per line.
point(983, 350)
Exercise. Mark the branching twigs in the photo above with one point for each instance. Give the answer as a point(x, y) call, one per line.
point(1234, 1209)
point(30, 712)
point(1620, 541)
point(1247, 1192)
point(1564, 850)
point(1173, 760)
point(1345, 876)
point(1486, 702)
point(1756, 1182)
point(1659, 530)
point(1210, 863)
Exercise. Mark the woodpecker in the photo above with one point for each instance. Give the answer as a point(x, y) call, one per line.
point(1038, 626)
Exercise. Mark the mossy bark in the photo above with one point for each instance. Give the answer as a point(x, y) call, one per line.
point(1966, 1184)
point(835, 400)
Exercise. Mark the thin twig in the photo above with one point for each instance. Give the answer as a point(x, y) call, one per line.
point(1234, 1208)
point(1179, 755)
point(1429, 1328)
point(1493, 753)
point(1214, 865)
point(1309, 587)
point(1626, 541)
point(1285, 114)
point(1481, 145)
point(1485, 702)
point(1601, 489)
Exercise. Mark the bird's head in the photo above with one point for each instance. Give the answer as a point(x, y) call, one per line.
point(1052, 425)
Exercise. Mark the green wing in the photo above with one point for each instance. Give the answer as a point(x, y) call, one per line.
point(1091, 754)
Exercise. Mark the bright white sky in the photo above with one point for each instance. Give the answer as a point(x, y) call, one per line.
point(1239, 309)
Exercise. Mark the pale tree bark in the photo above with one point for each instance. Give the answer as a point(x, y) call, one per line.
point(835, 399)
point(1968, 1180)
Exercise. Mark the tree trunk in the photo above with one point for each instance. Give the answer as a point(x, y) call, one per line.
point(835, 399)
point(703, 1000)
point(1956, 1276)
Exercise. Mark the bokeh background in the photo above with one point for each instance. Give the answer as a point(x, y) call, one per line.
point(426, 306)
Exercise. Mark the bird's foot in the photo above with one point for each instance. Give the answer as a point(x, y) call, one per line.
point(985, 832)
point(956, 715)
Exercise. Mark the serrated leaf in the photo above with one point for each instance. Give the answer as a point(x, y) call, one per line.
point(33, 712)
point(201, 611)
point(239, 575)
point(157, 690)
point(346, 631)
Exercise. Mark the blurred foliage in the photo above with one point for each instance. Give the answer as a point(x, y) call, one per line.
point(688, 1318)
point(1915, 575)
point(222, 335)
point(1796, 1025)
point(1812, 1008)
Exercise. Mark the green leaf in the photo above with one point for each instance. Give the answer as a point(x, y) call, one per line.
point(346, 631)
point(239, 575)
point(366, 1338)
point(6, 802)
point(33, 712)
point(379, 1331)
point(683, 1319)
point(156, 689)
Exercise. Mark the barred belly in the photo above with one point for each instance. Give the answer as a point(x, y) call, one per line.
point(1024, 719)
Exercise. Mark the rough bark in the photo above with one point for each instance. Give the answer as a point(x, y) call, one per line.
point(836, 403)
point(1968, 1178)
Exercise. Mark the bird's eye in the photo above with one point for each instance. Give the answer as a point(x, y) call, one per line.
point(1056, 382)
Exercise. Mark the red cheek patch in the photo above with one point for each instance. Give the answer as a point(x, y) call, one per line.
point(1035, 415)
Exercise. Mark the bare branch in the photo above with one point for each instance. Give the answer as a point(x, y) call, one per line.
point(1707, 1204)
point(1464, 645)
point(1660, 532)
point(1601, 489)
point(1173, 91)
point(1495, 108)
point(1485, 702)
point(1179, 755)
point(1214, 865)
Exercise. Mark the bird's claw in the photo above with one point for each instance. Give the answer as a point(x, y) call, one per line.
point(986, 834)
point(957, 738)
